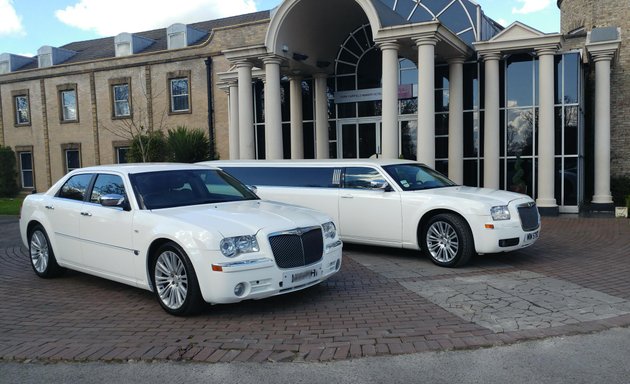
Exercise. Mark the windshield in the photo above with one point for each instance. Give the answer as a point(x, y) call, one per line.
point(415, 177)
point(167, 189)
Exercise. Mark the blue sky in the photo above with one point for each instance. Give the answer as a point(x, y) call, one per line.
point(27, 25)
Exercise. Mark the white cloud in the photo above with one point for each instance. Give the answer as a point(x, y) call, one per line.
point(10, 22)
point(503, 22)
point(530, 6)
point(108, 18)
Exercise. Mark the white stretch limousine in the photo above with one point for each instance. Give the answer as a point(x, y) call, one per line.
point(398, 203)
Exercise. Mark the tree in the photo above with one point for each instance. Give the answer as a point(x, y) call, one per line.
point(8, 173)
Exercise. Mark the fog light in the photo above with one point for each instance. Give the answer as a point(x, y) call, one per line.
point(239, 289)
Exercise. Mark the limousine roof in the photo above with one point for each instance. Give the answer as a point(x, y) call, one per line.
point(309, 162)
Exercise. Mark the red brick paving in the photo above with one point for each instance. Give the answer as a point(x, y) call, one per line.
point(355, 314)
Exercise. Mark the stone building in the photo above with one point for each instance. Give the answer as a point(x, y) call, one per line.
point(436, 81)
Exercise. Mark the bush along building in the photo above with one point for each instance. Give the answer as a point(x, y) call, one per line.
point(430, 80)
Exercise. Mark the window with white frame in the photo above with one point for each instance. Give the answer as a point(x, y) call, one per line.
point(26, 169)
point(22, 110)
point(69, 105)
point(120, 94)
point(180, 94)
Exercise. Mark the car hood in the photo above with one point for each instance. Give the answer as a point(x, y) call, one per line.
point(487, 196)
point(246, 217)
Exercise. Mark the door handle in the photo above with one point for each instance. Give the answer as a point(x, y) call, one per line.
point(86, 214)
point(49, 207)
point(347, 196)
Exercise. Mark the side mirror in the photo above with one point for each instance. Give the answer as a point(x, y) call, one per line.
point(253, 188)
point(115, 200)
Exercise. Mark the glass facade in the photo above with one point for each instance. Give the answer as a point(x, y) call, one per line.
point(355, 122)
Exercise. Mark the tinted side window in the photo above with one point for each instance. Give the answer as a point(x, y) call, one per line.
point(75, 188)
point(107, 185)
point(362, 178)
point(284, 177)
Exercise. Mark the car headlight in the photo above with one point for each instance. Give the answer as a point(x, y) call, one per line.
point(500, 212)
point(234, 246)
point(330, 231)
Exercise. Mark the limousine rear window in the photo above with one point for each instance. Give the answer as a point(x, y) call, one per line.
point(285, 177)
point(415, 177)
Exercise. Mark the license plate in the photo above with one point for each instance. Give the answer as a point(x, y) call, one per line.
point(291, 279)
point(531, 236)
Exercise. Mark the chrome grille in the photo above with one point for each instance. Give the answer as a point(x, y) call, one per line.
point(530, 220)
point(297, 248)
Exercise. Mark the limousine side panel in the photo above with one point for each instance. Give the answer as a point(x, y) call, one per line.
point(322, 199)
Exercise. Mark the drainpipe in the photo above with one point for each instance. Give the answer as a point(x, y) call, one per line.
point(212, 151)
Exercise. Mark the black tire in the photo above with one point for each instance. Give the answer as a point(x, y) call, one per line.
point(174, 280)
point(447, 240)
point(41, 254)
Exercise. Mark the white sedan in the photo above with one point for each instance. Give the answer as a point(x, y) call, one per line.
point(188, 233)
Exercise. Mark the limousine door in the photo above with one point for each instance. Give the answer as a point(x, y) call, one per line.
point(368, 213)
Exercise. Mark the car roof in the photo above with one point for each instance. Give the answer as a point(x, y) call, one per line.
point(131, 168)
point(310, 162)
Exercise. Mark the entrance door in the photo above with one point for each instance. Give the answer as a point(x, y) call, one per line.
point(360, 139)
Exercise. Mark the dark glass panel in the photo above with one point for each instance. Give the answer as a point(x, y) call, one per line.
point(284, 176)
point(571, 136)
point(536, 76)
point(409, 106)
point(285, 101)
point(441, 148)
point(471, 86)
point(557, 75)
point(470, 173)
point(519, 81)
point(343, 68)
point(441, 124)
point(260, 141)
point(513, 167)
point(471, 134)
point(571, 78)
point(370, 108)
point(347, 110)
point(309, 141)
point(571, 185)
point(370, 70)
point(259, 98)
point(75, 188)
point(307, 99)
point(286, 140)
point(455, 19)
point(557, 181)
point(367, 140)
point(557, 111)
point(502, 133)
point(441, 76)
point(332, 150)
point(409, 76)
point(409, 139)
point(347, 56)
point(441, 166)
point(346, 83)
point(441, 100)
point(349, 137)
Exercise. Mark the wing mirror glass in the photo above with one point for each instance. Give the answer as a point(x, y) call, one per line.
point(114, 200)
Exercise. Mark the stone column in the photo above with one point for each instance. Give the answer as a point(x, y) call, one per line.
point(233, 132)
point(273, 110)
point(425, 152)
point(546, 200)
point(491, 141)
point(602, 127)
point(321, 116)
point(297, 125)
point(247, 147)
point(389, 130)
point(456, 120)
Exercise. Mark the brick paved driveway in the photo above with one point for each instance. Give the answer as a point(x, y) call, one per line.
point(575, 279)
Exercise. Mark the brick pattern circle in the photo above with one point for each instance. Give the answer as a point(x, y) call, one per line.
point(359, 312)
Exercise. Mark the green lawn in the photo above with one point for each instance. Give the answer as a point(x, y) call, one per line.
point(10, 206)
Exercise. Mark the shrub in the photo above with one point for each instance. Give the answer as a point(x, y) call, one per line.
point(188, 145)
point(147, 148)
point(8, 173)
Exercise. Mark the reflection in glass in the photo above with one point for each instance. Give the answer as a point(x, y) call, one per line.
point(349, 141)
point(520, 81)
point(409, 139)
point(519, 131)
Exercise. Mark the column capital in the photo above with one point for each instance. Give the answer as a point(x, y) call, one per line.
point(427, 39)
point(271, 59)
point(490, 55)
point(607, 55)
point(388, 44)
point(320, 75)
point(456, 60)
point(295, 77)
point(547, 50)
point(244, 64)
